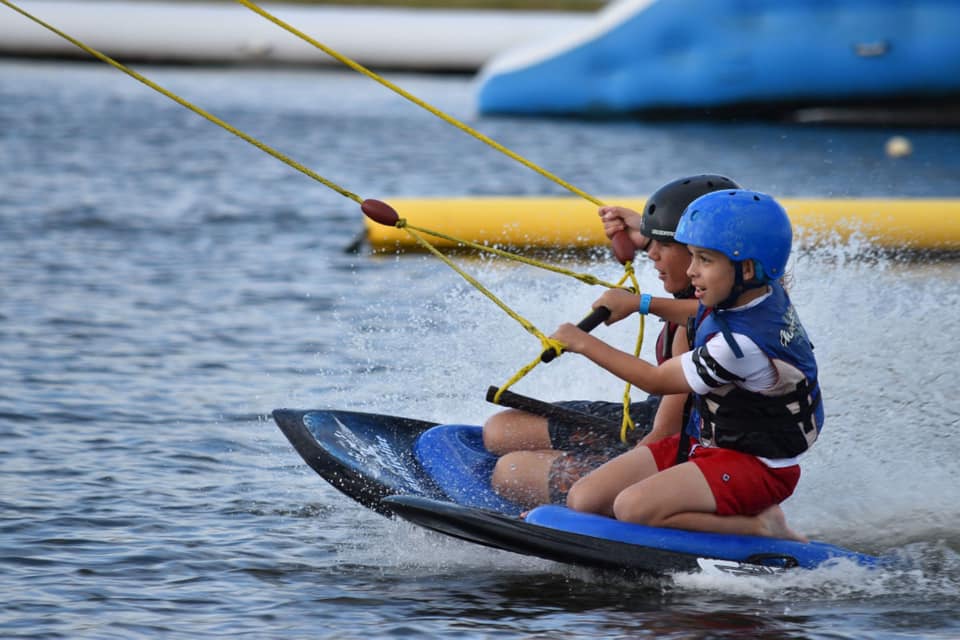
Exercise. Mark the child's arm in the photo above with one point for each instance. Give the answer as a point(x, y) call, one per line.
point(622, 303)
point(666, 379)
point(669, 418)
point(675, 310)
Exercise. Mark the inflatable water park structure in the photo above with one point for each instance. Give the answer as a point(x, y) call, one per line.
point(672, 56)
point(224, 32)
point(914, 224)
point(634, 56)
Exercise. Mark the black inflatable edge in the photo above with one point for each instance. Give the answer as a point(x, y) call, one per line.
point(492, 529)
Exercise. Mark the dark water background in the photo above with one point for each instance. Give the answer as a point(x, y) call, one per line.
point(163, 286)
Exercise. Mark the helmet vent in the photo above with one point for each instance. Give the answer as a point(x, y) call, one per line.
point(652, 208)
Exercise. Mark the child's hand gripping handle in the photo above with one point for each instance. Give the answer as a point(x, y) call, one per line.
point(588, 324)
point(625, 251)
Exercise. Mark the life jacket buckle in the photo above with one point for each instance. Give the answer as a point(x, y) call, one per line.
point(706, 433)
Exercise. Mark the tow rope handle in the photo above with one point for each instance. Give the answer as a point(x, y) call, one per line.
point(588, 324)
point(625, 251)
point(548, 410)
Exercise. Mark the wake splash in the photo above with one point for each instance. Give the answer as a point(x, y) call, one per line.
point(929, 569)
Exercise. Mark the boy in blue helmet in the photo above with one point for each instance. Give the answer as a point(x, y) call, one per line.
point(751, 373)
point(540, 459)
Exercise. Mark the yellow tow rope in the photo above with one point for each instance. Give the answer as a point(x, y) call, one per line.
point(201, 112)
point(546, 342)
point(356, 66)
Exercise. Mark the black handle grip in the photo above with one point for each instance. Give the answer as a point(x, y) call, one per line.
point(549, 410)
point(588, 324)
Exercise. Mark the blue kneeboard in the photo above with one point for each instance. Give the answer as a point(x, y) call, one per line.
point(438, 476)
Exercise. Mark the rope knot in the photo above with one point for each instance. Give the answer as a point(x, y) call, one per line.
point(550, 343)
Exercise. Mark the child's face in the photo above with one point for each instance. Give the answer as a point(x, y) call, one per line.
point(711, 274)
point(671, 261)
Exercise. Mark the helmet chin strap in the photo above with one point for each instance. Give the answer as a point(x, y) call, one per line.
point(739, 286)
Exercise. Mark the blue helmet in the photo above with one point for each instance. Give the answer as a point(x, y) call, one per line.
point(742, 225)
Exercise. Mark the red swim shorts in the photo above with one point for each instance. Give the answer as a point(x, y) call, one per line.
point(741, 483)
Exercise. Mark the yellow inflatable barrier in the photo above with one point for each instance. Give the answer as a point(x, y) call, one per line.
point(569, 222)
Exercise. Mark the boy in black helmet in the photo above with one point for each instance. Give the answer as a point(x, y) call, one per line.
point(540, 458)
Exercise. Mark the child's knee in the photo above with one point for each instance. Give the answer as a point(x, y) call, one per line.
point(637, 506)
point(629, 511)
point(583, 497)
point(495, 433)
point(504, 473)
point(513, 430)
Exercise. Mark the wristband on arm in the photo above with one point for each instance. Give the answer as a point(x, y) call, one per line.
point(645, 300)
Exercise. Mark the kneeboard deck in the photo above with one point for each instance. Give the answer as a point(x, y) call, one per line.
point(370, 456)
point(366, 456)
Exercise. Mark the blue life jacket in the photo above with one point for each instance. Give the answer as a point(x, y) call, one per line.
point(778, 423)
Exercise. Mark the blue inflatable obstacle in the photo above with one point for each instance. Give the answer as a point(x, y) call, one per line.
point(438, 476)
point(674, 56)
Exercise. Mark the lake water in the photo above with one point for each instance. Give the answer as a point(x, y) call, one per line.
point(165, 286)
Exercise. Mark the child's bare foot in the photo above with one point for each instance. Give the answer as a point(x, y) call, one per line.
point(773, 524)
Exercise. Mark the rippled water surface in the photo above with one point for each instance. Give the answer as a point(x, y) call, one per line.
point(165, 285)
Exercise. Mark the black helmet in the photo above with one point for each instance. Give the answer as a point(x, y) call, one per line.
point(662, 212)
